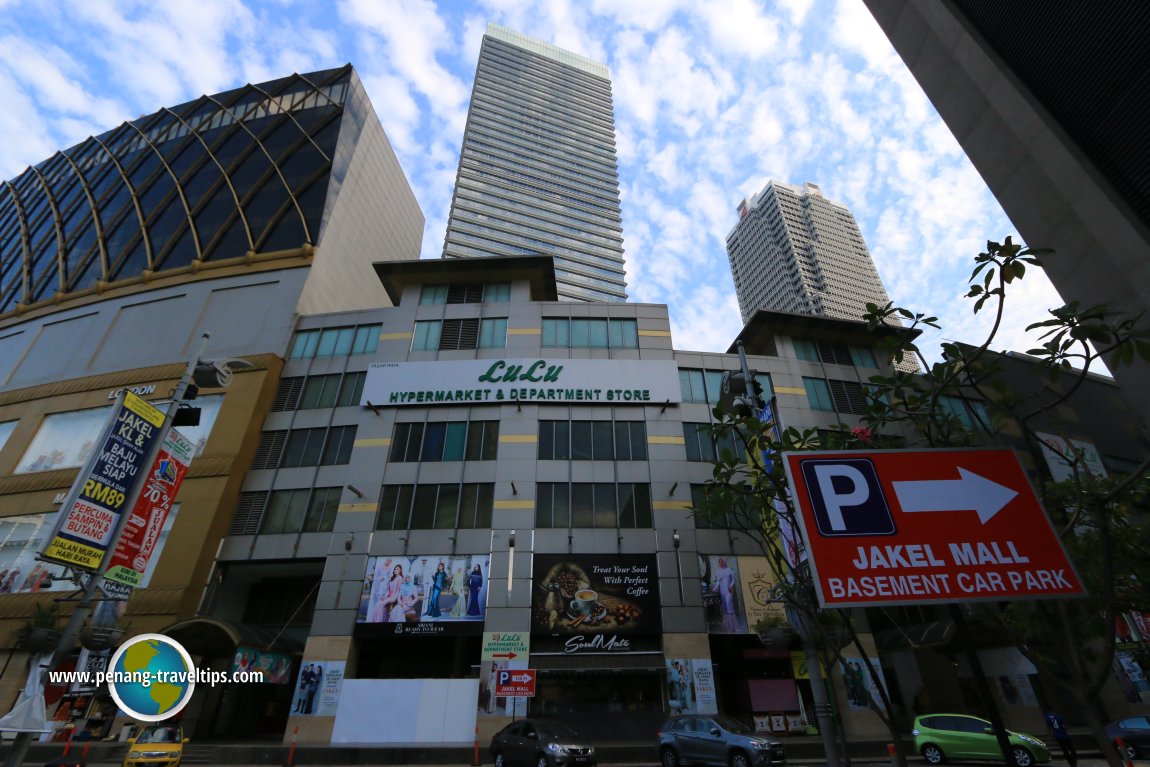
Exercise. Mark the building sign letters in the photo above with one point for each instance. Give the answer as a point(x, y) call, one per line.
point(524, 380)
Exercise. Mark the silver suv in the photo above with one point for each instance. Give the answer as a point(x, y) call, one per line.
point(715, 740)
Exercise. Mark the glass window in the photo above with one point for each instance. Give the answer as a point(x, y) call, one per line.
point(304, 447)
point(482, 440)
point(818, 394)
point(602, 441)
point(433, 294)
point(304, 344)
point(426, 335)
point(366, 339)
point(454, 441)
point(285, 511)
point(863, 357)
point(319, 391)
point(394, 507)
point(580, 334)
point(598, 505)
point(624, 334)
point(322, 509)
point(605, 504)
point(581, 441)
point(434, 435)
point(64, 440)
point(691, 385)
point(493, 333)
point(806, 350)
point(556, 333)
point(351, 389)
point(339, 444)
point(597, 334)
point(582, 504)
point(497, 292)
point(447, 507)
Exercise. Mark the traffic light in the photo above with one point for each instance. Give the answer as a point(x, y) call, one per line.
point(733, 394)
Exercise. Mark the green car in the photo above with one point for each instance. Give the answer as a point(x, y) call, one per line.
point(939, 737)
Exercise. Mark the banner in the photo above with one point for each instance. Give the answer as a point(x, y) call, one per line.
point(91, 511)
point(444, 594)
point(757, 579)
point(722, 597)
point(595, 603)
point(318, 688)
point(691, 686)
point(141, 537)
point(275, 666)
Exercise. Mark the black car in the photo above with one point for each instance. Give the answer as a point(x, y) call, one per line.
point(715, 740)
point(541, 743)
point(1135, 734)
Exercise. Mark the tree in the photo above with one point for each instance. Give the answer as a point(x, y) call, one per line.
point(1072, 640)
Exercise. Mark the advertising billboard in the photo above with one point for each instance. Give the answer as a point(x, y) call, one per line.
point(424, 595)
point(595, 603)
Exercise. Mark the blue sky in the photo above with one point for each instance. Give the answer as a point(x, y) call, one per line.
point(712, 99)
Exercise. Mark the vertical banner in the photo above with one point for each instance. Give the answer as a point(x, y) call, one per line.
point(691, 686)
point(91, 511)
point(141, 536)
point(722, 596)
point(318, 688)
point(758, 580)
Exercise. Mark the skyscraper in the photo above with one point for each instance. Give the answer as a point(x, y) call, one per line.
point(793, 250)
point(537, 170)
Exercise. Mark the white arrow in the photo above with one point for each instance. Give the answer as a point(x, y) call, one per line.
point(970, 492)
point(521, 678)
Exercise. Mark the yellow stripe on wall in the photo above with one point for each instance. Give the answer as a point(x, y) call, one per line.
point(653, 440)
point(790, 390)
point(524, 331)
point(514, 504)
point(372, 442)
point(395, 336)
point(672, 504)
point(357, 507)
point(660, 333)
point(518, 438)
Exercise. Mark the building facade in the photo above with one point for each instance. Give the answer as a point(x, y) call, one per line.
point(229, 215)
point(538, 172)
point(794, 250)
point(1054, 128)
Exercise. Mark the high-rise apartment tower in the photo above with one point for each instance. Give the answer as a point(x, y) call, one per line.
point(793, 250)
point(537, 171)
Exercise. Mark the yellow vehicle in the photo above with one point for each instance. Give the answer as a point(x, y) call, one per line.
point(158, 745)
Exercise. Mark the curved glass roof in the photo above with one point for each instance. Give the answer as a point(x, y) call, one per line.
point(243, 171)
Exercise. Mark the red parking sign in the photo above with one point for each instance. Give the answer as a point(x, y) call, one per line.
point(510, 683)
point(907, 527)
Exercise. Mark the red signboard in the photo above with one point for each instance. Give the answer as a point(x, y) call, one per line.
point(137, 544)
point(908, 527)
point(510, 683)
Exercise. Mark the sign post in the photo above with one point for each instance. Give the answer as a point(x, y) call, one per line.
point(510, 683)
point(891, 527)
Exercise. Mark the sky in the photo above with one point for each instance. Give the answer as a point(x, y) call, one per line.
point(712, 99)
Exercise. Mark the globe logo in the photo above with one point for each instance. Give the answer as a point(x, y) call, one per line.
point(151, 677)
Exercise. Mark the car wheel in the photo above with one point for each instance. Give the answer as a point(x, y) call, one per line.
point(740, 759)
point(933, 754)
point(1022, 757)
point(543, 761)
point(669, 758)
point(500, 760)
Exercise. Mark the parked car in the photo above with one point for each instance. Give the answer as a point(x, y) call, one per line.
point(939, 737)
point(715, 740)
point(1135, 734)
point(541, 743)
point(158, 745)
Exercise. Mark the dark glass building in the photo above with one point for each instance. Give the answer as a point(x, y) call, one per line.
point(247, 172)
point(538, 173)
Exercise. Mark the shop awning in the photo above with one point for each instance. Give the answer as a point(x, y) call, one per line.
point(773, 695)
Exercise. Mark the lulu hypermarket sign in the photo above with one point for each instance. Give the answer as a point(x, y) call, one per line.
point(522, 380)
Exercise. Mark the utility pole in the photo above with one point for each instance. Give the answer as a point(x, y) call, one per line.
point(795, 616)
point(67, 641)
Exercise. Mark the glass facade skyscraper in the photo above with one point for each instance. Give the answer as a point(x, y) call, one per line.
point(537, 170)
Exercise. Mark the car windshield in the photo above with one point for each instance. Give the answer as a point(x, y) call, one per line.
point(159, 735)
point(733, 725)
point(555, 730)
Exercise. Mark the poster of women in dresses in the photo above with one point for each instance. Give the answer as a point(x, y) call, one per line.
point(859, 683)
point(722, 596)
point(426, 594)
point(317, 690)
